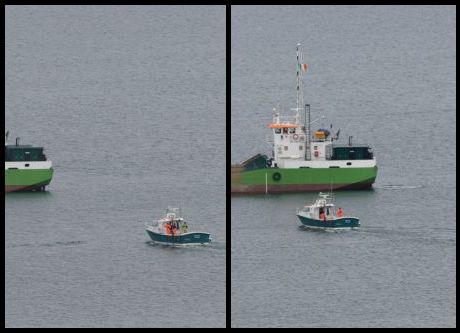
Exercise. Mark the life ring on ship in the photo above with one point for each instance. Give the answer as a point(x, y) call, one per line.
point(295, 136)
point(316, 153)
point(276, 176)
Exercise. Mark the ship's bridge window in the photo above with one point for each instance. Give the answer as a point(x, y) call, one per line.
point(285, 130)
point(292, 130)
point(277, 130)
point(285, 147)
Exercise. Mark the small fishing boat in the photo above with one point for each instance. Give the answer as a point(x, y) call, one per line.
point(173, 230)
point(323, 215)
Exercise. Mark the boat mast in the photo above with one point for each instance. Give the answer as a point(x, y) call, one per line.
point(300, 68)
point(299, 84)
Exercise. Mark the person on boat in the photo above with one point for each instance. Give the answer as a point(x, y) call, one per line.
point(168, 229)
point(340, 212)
point(184, 228)
point(322, 216)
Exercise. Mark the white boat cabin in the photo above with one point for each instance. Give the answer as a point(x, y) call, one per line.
point(171, 224)
point(322, 209)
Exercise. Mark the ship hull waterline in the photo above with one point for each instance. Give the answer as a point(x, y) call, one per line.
point(195, 238)
point(336, 224)
point(301, 180)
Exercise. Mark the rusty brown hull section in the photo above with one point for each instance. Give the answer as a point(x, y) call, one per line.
point(22, 188)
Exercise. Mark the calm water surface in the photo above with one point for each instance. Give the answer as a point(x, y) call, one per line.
point(130, 105)
point(386, 76)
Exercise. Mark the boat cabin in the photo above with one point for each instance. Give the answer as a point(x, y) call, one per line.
point(323, 208)
point(171, 224)
point(22, 153)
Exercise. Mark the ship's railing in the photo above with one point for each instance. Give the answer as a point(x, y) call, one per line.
point(355, 145)
point(286, 119)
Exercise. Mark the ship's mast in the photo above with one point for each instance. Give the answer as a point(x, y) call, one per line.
point(299, 103)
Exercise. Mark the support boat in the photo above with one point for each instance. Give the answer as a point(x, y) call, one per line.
point(174, 230)
point(323, 215)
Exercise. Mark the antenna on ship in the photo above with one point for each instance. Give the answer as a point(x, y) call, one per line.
point(6, 136)
point(300, 67)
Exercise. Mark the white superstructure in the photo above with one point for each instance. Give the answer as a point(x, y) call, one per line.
point(296, 146)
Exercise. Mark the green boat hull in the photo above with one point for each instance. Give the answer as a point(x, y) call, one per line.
point(276, 180)
point(27, 179)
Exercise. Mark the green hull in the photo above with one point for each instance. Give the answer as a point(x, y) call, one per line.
point(276, 180)
point(27, 180)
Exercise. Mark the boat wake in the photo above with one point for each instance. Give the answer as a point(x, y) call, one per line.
point(213, 245)
point(70, 243)
point(333, 230)
point(398, 187)
point(427, 235)
point(64, 243)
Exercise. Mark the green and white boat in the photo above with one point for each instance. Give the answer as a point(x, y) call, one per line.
point(26, 168)
point(303, 159)
point(174, 230)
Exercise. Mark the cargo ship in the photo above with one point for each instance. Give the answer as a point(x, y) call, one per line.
point(304, 159)
point(26, 168)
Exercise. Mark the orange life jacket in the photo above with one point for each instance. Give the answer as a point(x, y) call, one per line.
point(340, 212)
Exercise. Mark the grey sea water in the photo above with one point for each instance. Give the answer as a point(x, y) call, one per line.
point(386, 76)
point(129, 102)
